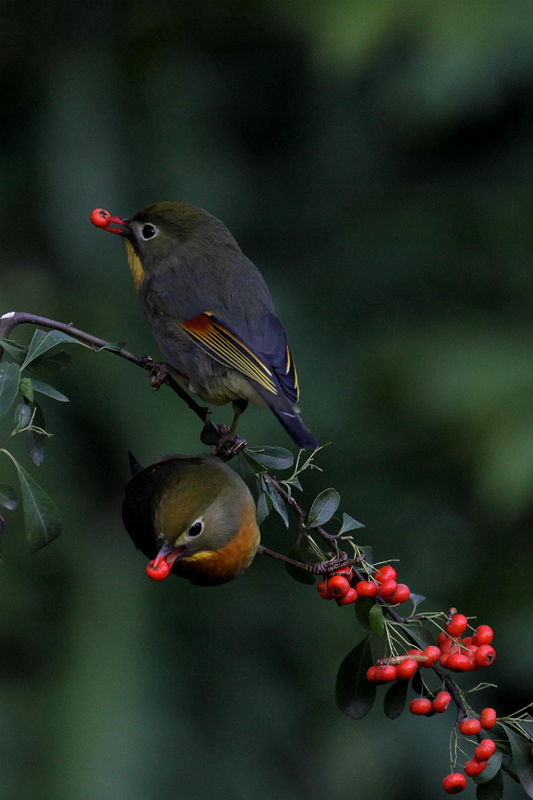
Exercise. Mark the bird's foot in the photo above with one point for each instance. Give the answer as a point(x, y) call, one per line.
point(159, 372)
point(330, 567)
point(229, 444)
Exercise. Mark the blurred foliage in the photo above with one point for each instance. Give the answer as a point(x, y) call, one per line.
point(374, 160)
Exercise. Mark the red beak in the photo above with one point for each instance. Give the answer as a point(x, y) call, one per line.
point(103, 219)
point(169, 554)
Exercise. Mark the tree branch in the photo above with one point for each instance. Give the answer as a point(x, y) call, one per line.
point(10, 321)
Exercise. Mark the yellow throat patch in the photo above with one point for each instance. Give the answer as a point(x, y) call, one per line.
point(135, 265)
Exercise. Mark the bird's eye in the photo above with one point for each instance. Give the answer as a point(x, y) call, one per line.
point(148, 232)
point(196, 529)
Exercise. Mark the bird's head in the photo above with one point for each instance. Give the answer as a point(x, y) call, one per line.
point(199, 508)
point(162, 230)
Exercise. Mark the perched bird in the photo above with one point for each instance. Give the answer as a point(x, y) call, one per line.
point(193, 516)
point(210, 311)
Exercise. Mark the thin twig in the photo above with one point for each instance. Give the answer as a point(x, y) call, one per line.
point(14, 318)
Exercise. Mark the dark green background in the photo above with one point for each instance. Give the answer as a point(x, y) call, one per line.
point(374, 159)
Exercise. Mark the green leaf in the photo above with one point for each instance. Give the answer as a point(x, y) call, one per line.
point(294, 482)
point(417, 599)
point(298, 574)
point(264, 506)
point(41, 517)
point(50, 366)
point(35, 441)
point(272, 457)
point(417, 684)
point(493, 790)
point(368, 555)
point(242, 468)
point(278, 503)
point(375, 618)
point(252, 462)
point(363, 607)
point(16, 351)
point(49, 391)
point(43, 341)
point(9, 386)
point(522, 761)
point(60, 337)
point(323, 508)
point(26, 388)
point(349, 524)
point(394, 701)
point(355, 695)
point(210, 433)
point(419, 636)
point(8, 497)
point(493, 766)
point(22, 415)
point(115, 347)
point(499, 734)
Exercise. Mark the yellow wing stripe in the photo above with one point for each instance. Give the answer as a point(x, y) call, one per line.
point(241, 344)
point(289, 362)
point(211, 336)
point(225, 345)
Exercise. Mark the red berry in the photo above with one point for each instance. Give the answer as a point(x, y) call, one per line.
point(371, 674)
point(469, 727)
point(401, 594)
point(472, 666)
point(387, 588)
point(337, 586)
point(449, 646)
point(488, 719)
point(432, 654)
point(420, 706)
point(441, 702)
point(406, 669)
point(366, 589)
point(442, 637)
point(444, 659)
point(467, 641)
point(485, 750)
point(349, 597)
point(414, 651)
point(457, 625)
point(454, 783)
point(474, 767)
point(458, 662)
point(386, 673)
point(100, 218)
point(483, 635)
point(159, 572)
point(385, 573)
point(346, 572)
point(323, 592)
point(485, 655)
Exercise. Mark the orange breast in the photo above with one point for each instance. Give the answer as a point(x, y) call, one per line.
point(209, 568)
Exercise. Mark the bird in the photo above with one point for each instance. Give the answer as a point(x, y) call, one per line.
point(210, 311)
point(192, 516)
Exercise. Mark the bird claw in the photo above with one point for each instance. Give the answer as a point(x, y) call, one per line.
point(159, 373)
point(228, 445)
point(330, 567)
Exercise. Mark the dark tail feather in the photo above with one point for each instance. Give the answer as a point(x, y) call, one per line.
point(135, 467)
point(294, 426)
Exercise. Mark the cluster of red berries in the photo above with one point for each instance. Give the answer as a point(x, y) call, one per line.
point(470, 652)
point(383, 584)
point(471, 726)
point(457, 655)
